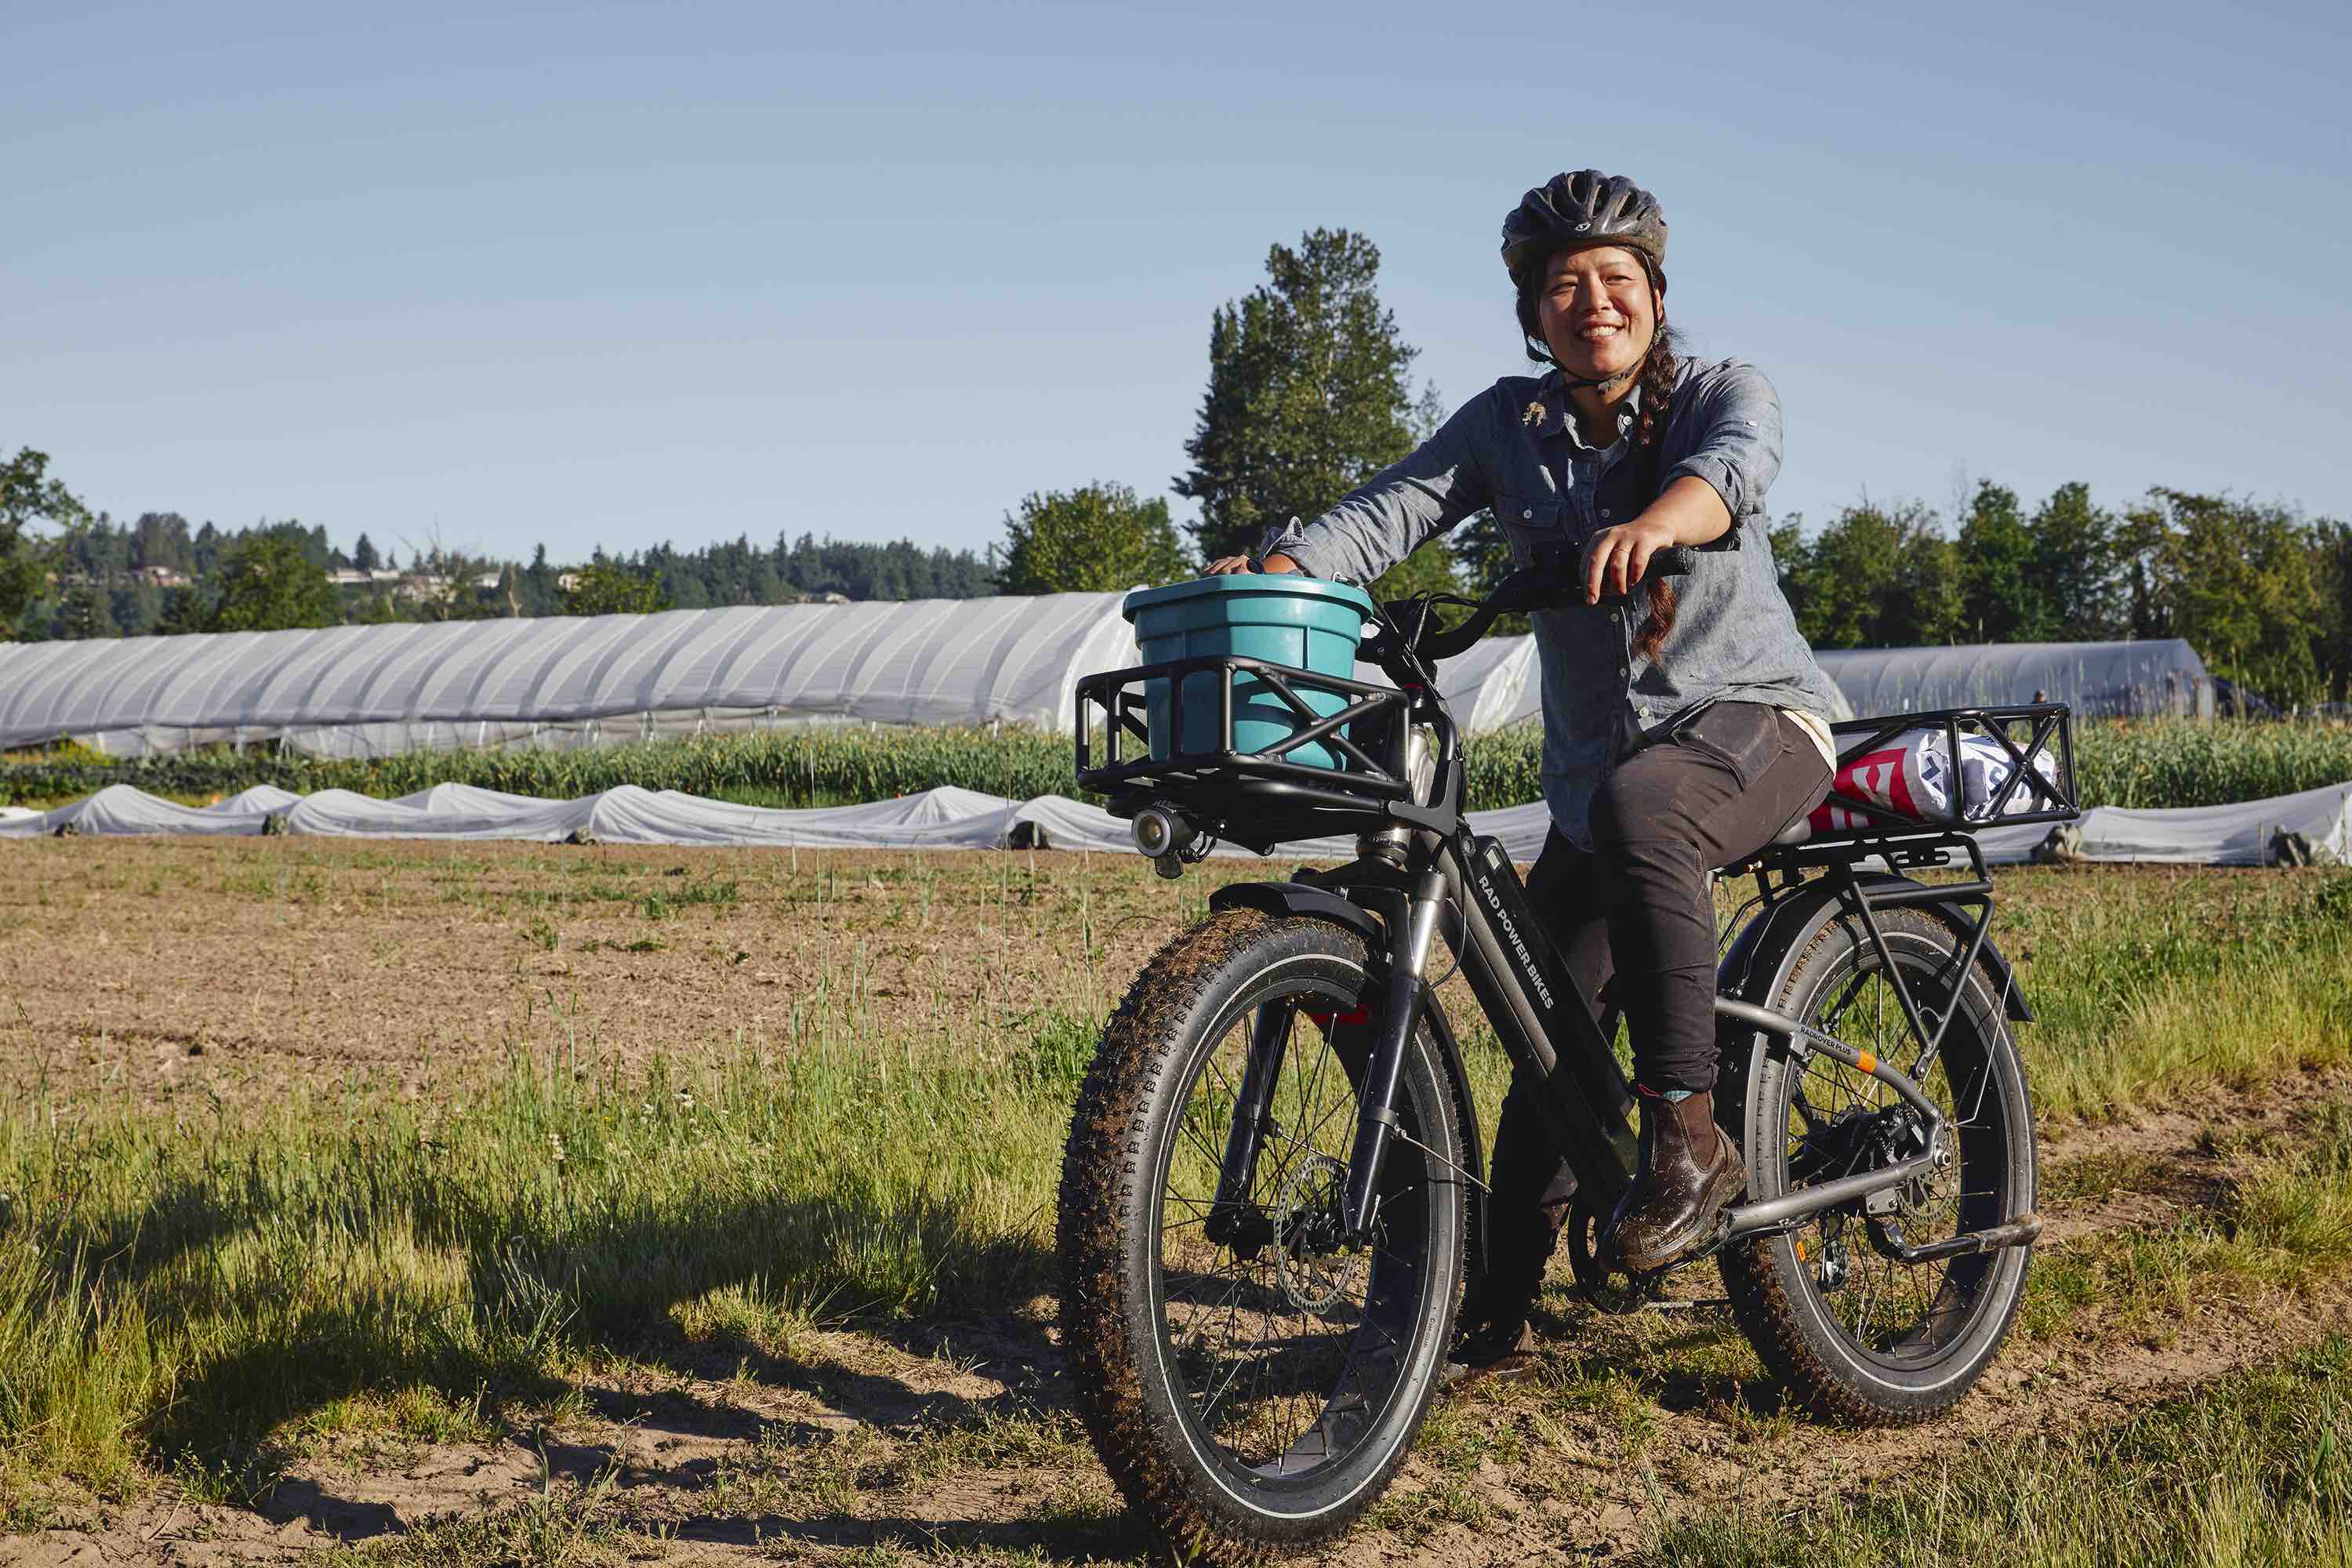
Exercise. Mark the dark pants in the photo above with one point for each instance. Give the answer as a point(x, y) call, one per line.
point(1634, 914)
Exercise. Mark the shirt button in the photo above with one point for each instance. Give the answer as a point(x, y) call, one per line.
point(1529, 513)
point(1622, 671)
point(1604, 511)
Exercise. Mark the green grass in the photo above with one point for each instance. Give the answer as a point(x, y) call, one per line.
point(190, 1295)
point(2165, 762)
point(2253, 1470)
point(200, 1293)
point(2206, 981)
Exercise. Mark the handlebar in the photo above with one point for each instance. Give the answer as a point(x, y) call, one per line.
point(1553, 581)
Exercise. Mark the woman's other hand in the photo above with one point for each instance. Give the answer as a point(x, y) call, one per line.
point(1228, 564)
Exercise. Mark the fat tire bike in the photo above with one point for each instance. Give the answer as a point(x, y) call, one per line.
point(1272, 1188)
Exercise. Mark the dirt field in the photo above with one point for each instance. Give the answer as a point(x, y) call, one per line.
point(245, 968)
point(173, 979)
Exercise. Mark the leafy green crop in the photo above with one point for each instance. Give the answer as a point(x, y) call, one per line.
point(2161, 763)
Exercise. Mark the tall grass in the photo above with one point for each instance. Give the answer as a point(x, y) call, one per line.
point(178, 1293)
point(2134, 995)
point(2167, 763)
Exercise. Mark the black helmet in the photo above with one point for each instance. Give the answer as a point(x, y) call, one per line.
point(1588, 208)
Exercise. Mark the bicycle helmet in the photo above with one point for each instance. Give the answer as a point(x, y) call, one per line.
point(1586, 209)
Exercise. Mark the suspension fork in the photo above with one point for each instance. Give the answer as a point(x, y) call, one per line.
point(1408, 991)
point(1253, 1118)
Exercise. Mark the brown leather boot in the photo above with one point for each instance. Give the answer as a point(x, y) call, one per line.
point(1689, 1172)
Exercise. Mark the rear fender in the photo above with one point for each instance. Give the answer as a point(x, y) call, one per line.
point(1752, 965)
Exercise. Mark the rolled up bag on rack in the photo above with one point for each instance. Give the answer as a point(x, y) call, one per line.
point(1913, 778)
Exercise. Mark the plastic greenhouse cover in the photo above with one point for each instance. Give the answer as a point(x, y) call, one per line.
point(565, 682)
point(2155, 676)
point(965, 819)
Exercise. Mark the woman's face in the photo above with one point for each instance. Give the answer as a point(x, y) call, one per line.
point(1596, 310)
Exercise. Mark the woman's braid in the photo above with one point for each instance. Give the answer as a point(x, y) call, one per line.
point(1649, 450)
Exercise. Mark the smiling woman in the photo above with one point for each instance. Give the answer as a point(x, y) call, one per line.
point(1678, 736)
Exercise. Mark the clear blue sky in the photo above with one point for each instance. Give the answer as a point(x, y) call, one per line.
point(683, 272)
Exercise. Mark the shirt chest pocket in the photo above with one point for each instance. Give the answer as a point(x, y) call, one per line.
point(1530, 522)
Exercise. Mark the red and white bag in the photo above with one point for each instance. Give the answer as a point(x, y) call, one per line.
point(1913, 778)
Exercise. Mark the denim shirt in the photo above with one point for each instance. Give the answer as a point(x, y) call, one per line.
point(1516, 449)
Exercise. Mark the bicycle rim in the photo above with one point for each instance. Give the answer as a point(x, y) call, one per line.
point(1837, 1120)
point(1285, 1347)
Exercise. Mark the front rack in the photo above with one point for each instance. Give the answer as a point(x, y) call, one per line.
point(1367, 733)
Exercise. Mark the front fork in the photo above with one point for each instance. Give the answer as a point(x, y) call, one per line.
point(1377, 1123)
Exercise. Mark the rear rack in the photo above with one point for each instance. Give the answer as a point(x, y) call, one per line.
point(2048, 733)
point(1367, 733)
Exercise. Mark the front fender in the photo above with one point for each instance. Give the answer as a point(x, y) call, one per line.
point(1297, 899)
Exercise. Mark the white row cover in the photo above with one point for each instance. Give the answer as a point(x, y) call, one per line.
point(965, 819)
point(2161, 676)
point(571, 680)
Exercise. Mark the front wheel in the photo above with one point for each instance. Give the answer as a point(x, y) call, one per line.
point(1247, 1375)
point(1834, 1308)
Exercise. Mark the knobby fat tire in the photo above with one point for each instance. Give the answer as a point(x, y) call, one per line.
point(1126, 1114)
point(1773, 1297)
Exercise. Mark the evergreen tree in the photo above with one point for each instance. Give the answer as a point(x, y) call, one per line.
point(185, 610)
point(87, 610)
point(1096, 538)
point(1308, 394)
point(363, 555)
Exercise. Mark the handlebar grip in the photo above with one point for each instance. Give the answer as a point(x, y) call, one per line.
point(1548, 584)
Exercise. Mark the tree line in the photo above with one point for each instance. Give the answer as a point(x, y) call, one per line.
point(1310, 393)
point(89, 576)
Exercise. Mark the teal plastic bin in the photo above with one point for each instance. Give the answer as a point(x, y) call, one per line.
point(1280, 618)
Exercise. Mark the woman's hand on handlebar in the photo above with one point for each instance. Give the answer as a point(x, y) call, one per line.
point(1615, 558)
point(1228, 565)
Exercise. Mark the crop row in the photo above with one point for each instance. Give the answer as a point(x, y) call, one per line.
point(2167, 763)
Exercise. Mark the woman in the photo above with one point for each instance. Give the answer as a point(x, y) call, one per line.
point(1683, 729)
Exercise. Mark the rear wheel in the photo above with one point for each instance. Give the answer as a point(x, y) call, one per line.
point(1832, 1307)
point(1247, 1377)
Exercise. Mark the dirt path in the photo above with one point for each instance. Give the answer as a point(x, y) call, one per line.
point(952, 1438)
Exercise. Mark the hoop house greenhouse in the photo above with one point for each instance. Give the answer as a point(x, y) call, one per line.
point(574, 682)
point(2161, 676)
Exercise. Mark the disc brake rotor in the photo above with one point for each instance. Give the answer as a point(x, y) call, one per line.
point(1309, 1268)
